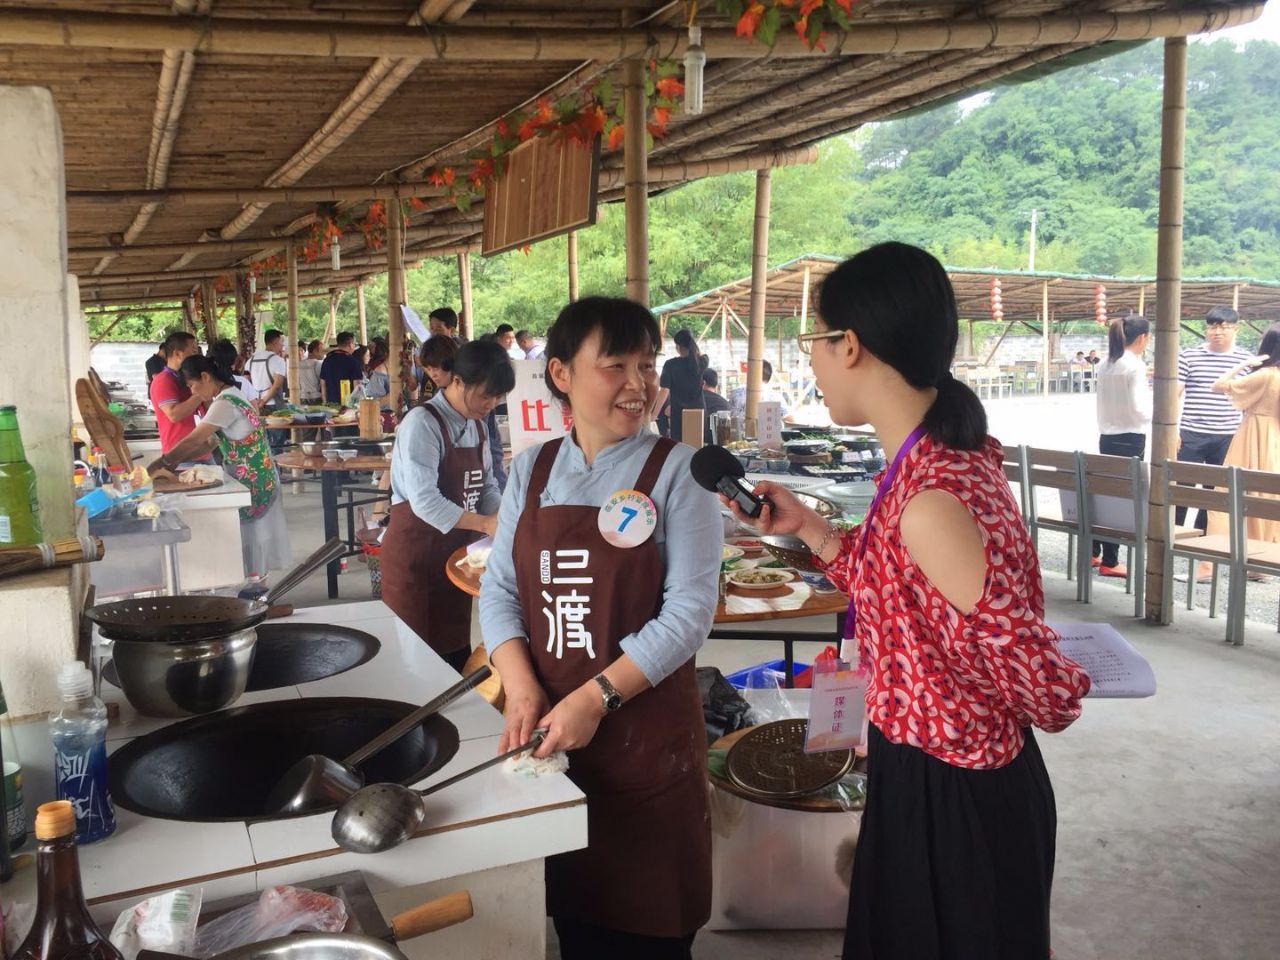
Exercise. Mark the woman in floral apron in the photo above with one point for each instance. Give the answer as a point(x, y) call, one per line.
point(232, 424)
point(600, 589)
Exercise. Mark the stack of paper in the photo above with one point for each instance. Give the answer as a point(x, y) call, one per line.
point(1113, 665)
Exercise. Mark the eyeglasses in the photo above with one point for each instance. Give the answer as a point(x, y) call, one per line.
point(805, 340)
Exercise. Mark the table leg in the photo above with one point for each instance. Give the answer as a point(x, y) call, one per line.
point(789, 659)
point(329, 500)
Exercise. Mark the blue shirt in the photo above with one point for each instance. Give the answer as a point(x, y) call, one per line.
point(336, 367)
point(689, 534)
point(415, 465)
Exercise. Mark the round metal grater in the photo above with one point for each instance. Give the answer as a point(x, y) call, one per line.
point(770, 762)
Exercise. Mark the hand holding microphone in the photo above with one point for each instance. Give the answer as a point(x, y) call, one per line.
point(769, 507)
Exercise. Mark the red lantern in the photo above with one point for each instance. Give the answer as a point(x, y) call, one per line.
point(997, 300)
point(1100, 303)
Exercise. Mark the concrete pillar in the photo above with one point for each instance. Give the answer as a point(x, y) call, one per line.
point(38, 629)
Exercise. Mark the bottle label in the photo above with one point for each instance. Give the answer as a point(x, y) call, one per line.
point(6, 529)
point(82, 778)
point(15, 813)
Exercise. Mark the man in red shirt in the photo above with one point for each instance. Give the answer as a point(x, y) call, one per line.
point(174, 405)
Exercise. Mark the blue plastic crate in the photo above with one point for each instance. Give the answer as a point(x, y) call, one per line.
point(756, 676)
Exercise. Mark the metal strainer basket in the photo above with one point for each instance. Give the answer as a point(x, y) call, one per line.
point(769, 762)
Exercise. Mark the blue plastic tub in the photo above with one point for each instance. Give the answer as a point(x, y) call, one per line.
point(757, 676)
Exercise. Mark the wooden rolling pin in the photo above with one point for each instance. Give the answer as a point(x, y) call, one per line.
point(41, 556)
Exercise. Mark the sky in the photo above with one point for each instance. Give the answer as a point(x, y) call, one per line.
point(1266, 27)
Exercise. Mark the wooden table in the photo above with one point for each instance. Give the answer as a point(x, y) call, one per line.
point(467, 579)
point(332, 473)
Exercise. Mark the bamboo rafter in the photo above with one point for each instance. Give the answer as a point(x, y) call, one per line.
point(235, 36)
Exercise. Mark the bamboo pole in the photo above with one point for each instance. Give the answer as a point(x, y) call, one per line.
point(361, 314)
point(209, 312)
point(291, 275)
point(1235, 297)
point(572, 252)
point(395, 297)
point(331, 327)
point(466, 323)
point(1142, 300)
point(333, 39)
point(635, 159)
point(1164, 420)
point(355, 193)
point(188, 314)
point(804, 298)
point(1045, 337)
point(759, 293)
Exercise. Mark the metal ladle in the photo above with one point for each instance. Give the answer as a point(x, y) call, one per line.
point(318, 781)
point(385, 815)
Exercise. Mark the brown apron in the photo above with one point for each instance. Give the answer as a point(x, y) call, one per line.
point(414, 553)
point(647, 869)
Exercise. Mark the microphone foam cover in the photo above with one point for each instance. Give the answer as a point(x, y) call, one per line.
point(709, 464)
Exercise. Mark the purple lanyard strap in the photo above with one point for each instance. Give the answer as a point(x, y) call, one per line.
point(882, 488)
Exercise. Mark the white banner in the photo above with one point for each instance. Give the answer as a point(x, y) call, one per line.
point(414, 322)
point(533, 415)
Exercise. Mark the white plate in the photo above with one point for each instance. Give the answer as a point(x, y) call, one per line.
point(729, 552)
point(733, 579)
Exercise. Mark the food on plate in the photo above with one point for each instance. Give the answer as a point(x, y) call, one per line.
point(730, 552)
point(750, 546)
point(758, 577)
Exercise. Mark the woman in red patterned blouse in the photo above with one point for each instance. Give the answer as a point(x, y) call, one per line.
point(955, 855)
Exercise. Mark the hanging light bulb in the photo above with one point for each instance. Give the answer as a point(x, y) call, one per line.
point(253, 286)
point(268, 293)
point(695, 59)
point(335, 254)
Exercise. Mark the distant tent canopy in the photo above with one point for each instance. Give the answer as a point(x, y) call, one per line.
point(1072, 297)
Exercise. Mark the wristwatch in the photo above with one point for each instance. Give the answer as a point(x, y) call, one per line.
point(609, 694)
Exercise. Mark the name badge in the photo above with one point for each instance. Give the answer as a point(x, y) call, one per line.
point(627, 519)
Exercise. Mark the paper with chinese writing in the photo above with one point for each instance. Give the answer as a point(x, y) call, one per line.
point(836, 705)
point(534, 416)
point(628, 518)
point(769, 425)
point(1114, 667)
point(566, 601)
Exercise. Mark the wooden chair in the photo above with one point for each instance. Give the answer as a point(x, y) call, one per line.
point(1257, 496)
point(1114, 508)
point(1217, 549)
point(105, 429)
point(1057, 470)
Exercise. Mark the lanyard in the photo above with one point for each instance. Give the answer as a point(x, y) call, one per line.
point(882, 488)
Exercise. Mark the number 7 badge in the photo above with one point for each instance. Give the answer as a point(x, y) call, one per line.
point(627, 519)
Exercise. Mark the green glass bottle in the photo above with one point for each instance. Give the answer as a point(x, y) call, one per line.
point(19, 508)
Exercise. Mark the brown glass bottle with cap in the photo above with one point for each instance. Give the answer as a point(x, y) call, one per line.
point(62, 929)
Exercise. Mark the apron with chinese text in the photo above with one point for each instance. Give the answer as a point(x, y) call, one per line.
point(249, 460)
point(647, 867)
point(414, 553)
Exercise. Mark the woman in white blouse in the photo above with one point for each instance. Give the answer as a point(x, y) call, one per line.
point(1124, 411)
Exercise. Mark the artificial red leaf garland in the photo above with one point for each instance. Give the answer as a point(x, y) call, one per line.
point(762, 19)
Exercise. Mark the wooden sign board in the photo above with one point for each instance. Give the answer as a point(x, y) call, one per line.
point(548, 188)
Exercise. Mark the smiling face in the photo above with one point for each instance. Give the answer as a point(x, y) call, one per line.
point(609, 395)
point(1220, 337)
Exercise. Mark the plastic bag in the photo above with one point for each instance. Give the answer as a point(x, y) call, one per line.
point(279, 911)
point(166, 922)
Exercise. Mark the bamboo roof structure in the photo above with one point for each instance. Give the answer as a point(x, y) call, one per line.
point(1071, 296)
point(199, 135)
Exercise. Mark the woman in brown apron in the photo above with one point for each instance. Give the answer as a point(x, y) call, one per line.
point(600, 588)
point(443, 496)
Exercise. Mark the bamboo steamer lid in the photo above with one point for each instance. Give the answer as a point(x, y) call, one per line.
point(55, 819)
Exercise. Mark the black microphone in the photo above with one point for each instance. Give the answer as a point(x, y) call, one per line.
point(718, 470)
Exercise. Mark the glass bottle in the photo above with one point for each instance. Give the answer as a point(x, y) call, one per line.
point(15, 809)
point(101, 475)
point(62, 929)
point(79, 734)
point(19, 507)
point(6, 864)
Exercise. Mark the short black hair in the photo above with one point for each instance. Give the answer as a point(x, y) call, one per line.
point(271, 336)
point(174, 342)
point(312, 345)
point(483, 364)
point(437, 350)
point(345, 337)
point(446, 315)
point(1221, 314)
point(766, 371)
point(625, 327)
point(710, 378)
point(504, 328)
point(216, 367)
point(523, 335)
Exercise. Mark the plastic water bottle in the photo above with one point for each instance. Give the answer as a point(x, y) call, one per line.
point(79, 734)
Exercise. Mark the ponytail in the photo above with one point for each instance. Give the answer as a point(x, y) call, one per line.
point(1122, 333)
point(956, 418)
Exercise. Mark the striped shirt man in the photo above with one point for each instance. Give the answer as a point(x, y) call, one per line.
point(1204, 411)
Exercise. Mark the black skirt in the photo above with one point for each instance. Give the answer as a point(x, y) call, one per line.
point(952, 863)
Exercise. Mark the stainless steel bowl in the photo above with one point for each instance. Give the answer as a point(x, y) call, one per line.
point(311, 448)
point(316, 946)
point(183, 679)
